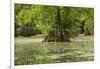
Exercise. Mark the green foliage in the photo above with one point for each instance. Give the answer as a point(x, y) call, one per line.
point(71, 21)
point(45, 18)
point(24, 17)
point(90, 22)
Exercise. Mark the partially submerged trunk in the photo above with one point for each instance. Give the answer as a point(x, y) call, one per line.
point(59, 38)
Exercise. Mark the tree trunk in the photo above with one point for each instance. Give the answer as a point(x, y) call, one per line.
point(58, 35)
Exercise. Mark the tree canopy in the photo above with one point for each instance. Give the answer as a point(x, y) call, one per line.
point(54, 22)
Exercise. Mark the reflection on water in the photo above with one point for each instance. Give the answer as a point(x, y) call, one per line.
point(53, 52)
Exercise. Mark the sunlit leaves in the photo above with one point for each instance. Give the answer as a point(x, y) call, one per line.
point(24, 17)
point(44, 18)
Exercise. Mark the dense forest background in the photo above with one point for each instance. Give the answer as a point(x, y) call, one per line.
point(55, 23)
